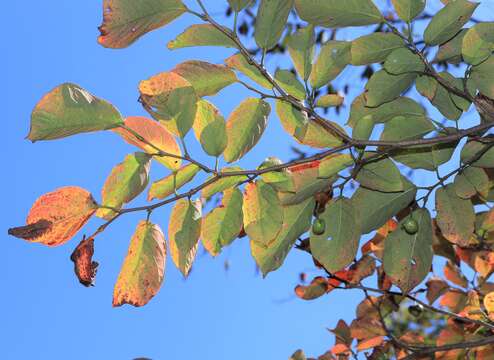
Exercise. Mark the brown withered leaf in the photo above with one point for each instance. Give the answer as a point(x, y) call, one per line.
point(31, 231)
point(453, 274)
point(84, 266)
point(362, 269)
point(435, 288)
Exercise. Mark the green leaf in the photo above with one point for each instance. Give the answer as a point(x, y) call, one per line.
point(459, 83)
point(336, 14)
point(381, 175)
point(225, 182)
point(438, 96)
point(333, 164)
point(125, 182)
point(451, 51)
point(245, 127)
point(202, 35)
point(375, 208)
point(478, 43)
point(239, 63)
point(426, 157)
point(363, 129)
point(210, 128)
point(402, 61)
point(143, 270)
point(478, 178)
point(298, 355)
point(281, 180)
point(289, 82)
point(263, 214)
point(239, 5)
point(163, 188)
point(474, 149)
point(408, 10)
point(374, 48)
point(302, 129)
point(222, 225)
point(270, 21)
point(207, 79)
point(330, 100)
point(124, 21)
point(463, 187)
point(184, 230)
point(455, 216)
point(482, 76)
point(448, 21)
point(172, 100)
point(333, 58)
point(401, 106)
point(383, 87)
point(68, 110)
point(301, 49)
point(406, 128)
point(408, 257)
point(337, 246)
point(296, 221)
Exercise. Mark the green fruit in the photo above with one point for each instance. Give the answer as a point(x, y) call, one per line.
point(411, 226)
point(318, 227)
point(416, 310)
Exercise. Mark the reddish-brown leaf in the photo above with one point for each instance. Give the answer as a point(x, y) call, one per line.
point(376, 244)
point(57, 216)
point(366, 328)
point(370, 343)
point(362, 269)
point(453, 274)
point(454, 300)
point(480, 261)
point(84, 266)
point(317, 288)
point(435, 288)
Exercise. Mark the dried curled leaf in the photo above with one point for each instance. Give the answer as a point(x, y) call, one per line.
point(84, 266)
point(57, 216)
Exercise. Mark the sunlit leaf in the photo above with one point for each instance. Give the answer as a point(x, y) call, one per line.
point(270, 21)
point(374, 48)
point(330, 100)
point(202, 35)
point(280, 180)
point(207, 79)
point(143, 269)
point(155, 134)
point(289, 82)
point(124, 21)
point(68, 110)
point(317, 288)
point(57, 216)
point(333, 164)
point(126, 181)
point(222, 225)
point(478, 43)
point(448, 21)
point(263, 214)
point(338, 245)
point(239, 63)
point(301, 49)
point(333, 57)
point(239, 5)
point(453, 273)
point(224, 182)
point(296, 221)
point(245, 127)
point(335, 13)
point(210, 128)
point(171, 99)
point(184, 230)
point(163, 188)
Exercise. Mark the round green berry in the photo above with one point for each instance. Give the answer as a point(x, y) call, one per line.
point(318, 227)
point(411, 226)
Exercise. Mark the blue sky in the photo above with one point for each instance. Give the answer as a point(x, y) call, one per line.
point(215, 314)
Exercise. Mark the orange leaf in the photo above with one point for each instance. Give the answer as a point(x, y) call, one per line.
point(84, 266)
point(317, 288)
point(489, 302)
point(453, 274)
point(57, 216)
point(435, 288)
point(155, 134)
point(370, 343)
point(143, 270)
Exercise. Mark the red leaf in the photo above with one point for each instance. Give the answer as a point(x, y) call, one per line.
point(84, 266)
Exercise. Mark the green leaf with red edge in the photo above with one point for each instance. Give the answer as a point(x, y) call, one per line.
point(126, 181)
point(270, 21)
point(57, 216)
point(184, 230)
point(301, 49)
point(263, 214)
point(163, 188)
point(143, 270)
point(408, 10)
point(210, 128)
point(338, 245)
point(172, 100)
point(336, 14)
point(448, 21)
point(455, 216)
point(223, 225)
point(207, 79)
point(296, 221)
point(69, 109)
point(124, 21)
point(244, 127)
point(202, 35)
point(154, 133)
point(333, 57)
point(239, 63)
point(408, 257)
point(374, 48)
